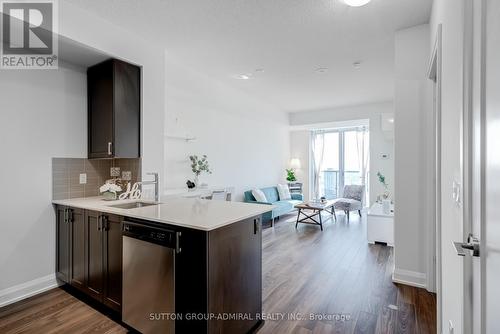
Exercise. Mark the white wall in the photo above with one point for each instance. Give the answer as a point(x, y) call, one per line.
point(88, 29)
point(246, 140)
point(413, 155)
point(449, 13)
point(43, 115)
point(379, 141)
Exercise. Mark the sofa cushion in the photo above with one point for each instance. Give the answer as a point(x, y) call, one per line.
point(284, 192)
point(347, 204)
point(259, 195)
point(271, 194)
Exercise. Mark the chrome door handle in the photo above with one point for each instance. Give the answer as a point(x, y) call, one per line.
point(109, 148)
point(472, 245)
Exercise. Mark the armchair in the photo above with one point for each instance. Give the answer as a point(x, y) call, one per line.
point(352, 199)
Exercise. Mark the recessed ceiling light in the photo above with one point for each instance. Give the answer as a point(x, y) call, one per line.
point(356, 3)
point(322, 69)
point(243, 76)
point(391, 120)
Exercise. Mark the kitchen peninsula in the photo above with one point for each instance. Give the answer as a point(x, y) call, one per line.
point(198, 261)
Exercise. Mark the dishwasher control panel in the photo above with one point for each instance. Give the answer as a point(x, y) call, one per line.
point(150, 233)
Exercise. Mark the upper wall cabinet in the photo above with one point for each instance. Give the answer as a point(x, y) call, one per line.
point(114, 110)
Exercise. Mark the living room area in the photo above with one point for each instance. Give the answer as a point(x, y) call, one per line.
point(347, 118)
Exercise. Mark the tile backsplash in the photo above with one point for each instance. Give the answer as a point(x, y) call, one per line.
point(66, 175)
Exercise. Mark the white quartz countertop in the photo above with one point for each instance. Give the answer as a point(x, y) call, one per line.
point(193, 213)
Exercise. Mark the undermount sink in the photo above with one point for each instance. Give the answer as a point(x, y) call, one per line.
point(132, 205)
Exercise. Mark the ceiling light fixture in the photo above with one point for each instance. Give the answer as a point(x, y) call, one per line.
point(243, 76)
point(356, 3)
point(391, 120)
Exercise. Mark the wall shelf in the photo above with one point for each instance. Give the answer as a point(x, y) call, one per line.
point(185, 138)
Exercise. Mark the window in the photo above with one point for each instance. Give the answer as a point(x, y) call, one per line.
point(339, 157)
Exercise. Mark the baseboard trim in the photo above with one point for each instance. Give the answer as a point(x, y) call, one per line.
point(409, 277)
point(27, 289)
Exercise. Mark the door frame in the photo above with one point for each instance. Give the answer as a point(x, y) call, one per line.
point(434, 274)
point(473, 142)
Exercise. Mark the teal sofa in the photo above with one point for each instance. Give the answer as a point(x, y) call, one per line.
point(272, 197)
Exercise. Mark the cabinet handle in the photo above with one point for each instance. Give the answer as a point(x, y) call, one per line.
point(109, 148)
point(105, 223)
point(256, 226)
point(99, 220)
point(70, 215)
point(65, 215)
point(178, 248)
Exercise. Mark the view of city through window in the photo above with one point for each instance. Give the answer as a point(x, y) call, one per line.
point(342, 161)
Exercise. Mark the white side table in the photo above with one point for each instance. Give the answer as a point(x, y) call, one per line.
point(380, 226)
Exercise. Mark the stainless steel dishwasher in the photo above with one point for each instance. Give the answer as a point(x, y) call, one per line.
point(149, 277)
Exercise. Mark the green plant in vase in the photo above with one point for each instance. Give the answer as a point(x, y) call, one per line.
point(198, 166)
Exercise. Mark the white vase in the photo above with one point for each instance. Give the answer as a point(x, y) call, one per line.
point(386, 206)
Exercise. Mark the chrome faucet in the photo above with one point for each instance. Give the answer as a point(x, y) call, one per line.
point(156, 182)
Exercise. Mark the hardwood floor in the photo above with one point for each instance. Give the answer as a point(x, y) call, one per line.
point(337, 273)
point(327, 274)
point(55, 311)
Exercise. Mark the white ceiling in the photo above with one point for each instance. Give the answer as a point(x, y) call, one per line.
point(289, 39)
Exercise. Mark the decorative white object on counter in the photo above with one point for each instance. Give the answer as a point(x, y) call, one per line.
point(132, 192)
point(109, 191)
point(380, 225)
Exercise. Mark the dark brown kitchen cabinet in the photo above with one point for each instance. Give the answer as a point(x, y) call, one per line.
point(94, 254)
point(63, 243)
point(89, 253)
point(114, 104)
point(104, 258)
point(223, 268)
point(112, 261)
point(77, 254)
point(235, 270)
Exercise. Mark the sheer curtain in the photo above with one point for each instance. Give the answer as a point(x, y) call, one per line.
point(318, 149)
point(363, 156)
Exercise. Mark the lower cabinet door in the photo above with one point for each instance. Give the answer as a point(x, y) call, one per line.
point(112, 261)
point(62, 244)
point(94, 268)
point(235, 269)
point(77, 222)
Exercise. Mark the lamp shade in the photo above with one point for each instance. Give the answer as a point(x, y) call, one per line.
point(295, 163)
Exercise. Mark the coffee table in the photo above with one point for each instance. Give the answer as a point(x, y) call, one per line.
point(313, 210)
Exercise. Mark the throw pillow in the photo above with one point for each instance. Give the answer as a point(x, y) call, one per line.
point(259, 195)
point(284, 192)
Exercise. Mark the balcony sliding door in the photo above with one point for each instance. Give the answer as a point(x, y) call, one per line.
point(339, 157)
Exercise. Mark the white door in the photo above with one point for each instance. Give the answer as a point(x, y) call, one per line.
point(491, 233)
